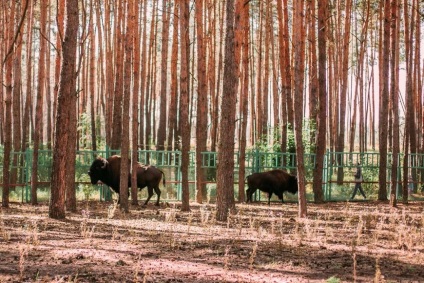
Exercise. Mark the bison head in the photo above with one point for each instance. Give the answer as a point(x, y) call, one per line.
point(292, 184)
point(96, 170)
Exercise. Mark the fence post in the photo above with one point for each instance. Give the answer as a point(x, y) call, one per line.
point(179, 185)
point(330, 174)
point(28, 163)
point(325, 174)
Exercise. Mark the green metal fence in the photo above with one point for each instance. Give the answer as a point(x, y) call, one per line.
point(335, 164)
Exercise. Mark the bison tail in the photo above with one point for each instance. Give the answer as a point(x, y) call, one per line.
point(163, 179)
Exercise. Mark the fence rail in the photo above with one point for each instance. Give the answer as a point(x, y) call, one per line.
point(338, 171)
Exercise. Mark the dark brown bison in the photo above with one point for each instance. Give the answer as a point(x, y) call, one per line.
point(108, 171)
point(275, 181)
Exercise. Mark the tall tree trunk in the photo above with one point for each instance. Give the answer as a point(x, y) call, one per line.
point(161, 136)
point(259, 91)
point(173, 112)
point(313, 73)
point(60, 27)
point(244, 22)
point(343, 91)
point(202, 103)
point(110, 69)
point(184, 102)
point(125, 144)
point(38, 133)
point(16, 98)
point(394, 93)
point(382, 190)
point(135, 111)
point(26, 119)
point(71, 200)
point(299, 68)
point(8, 63)
point(66, 101)
point(322, 101)
point(409, 115)
point(225, 170)
point(48, 101)
point(118, 92)
point(265, 71)
point(211, 70)
point(143, 79)
point(92, 83)
point(2, 54)
point(150, 80)
point(286, 76)
point(217, 79)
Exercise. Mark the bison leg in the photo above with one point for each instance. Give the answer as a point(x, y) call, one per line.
point(150, 194)
point(269, 198)
point(249, 193)
point(157, 191)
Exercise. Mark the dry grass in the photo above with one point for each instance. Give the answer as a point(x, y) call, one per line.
point(338, 242)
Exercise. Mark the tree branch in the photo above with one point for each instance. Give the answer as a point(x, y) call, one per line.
point(18, 31)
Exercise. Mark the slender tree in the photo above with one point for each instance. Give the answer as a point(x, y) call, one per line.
point(286, 76)
point(48, 96)
point(16, 96)
point(134, 99)
point(66, 99)
point(8, 65)
point(299, 57)
point(58, 56)
point(143, 78)
point(225, 171)
point(2, 54)
point(38, 133)
point(173, 111)
point(244, 23)
point(313, 71)
point(217, 79)
point(344, 75)
point(202, 103)
point(125, 143)
point(161, 135)
point(26, 119)
point(92, 73)
point(382, 190)
point(110, 69)
point(322, 101)
point(394, 94)
point(184, 102)
point(118, 91)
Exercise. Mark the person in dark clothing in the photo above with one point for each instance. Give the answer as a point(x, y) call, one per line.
point(358, 183)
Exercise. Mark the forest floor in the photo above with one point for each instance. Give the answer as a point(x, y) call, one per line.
point(338, 242)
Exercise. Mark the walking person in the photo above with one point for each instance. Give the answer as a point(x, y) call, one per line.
point(358, 182)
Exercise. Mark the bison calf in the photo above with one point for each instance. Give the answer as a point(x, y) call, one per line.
point(274, 181)
point(109, 171)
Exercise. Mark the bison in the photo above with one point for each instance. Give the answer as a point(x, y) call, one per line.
point(274, 181)
point(108, 171)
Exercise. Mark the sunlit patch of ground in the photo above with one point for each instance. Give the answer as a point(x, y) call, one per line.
point(345, 241)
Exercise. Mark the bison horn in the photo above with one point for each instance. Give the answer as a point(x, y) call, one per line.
point(104, 163)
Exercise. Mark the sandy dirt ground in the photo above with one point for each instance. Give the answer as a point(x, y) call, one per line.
point(338, 242)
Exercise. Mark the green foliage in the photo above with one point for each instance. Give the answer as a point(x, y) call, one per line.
point(45, 161)
point(333, 279)
point(84, 129)
point(87, 190)
point(269, 154)
point(81, 172)
point(268, 143)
